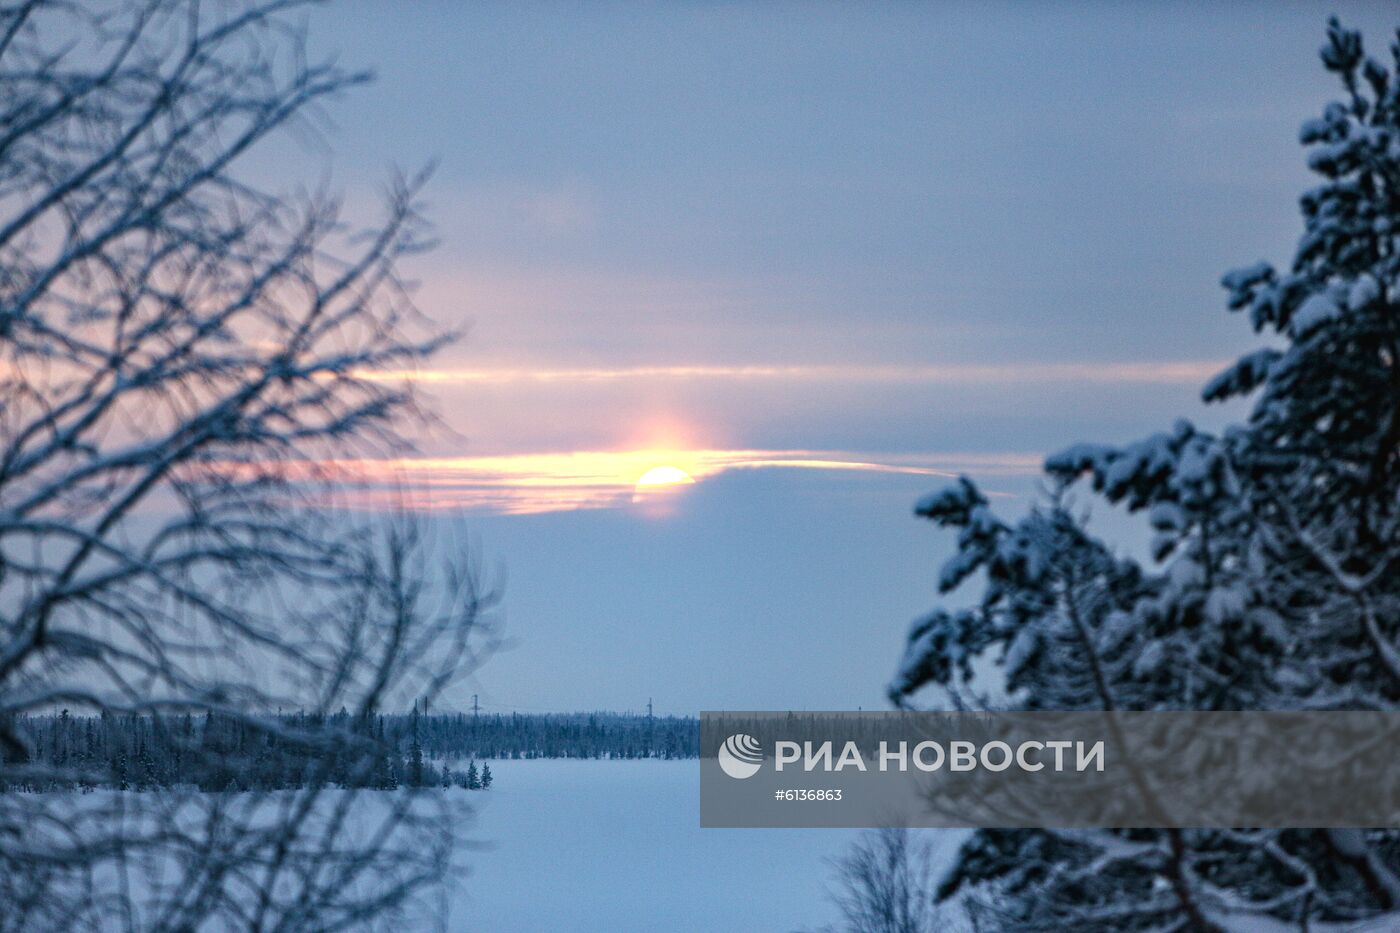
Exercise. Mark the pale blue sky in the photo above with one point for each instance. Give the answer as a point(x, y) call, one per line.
point(929, 235)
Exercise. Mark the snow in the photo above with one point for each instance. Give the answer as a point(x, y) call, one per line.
point(1248, 371)
point(1314, 129)
point(1329, 157)
point(928, 636)
point(1245, 276)
point(1149, 660)
point(1318, 309)
point(1168, 516)
point(1185, 574)
point(569, 844)
point(1022, 648)
point(1131, 462)
point(1077, 458)
point(617, 845)
point(1225, 604)
point(952, 502)
point(1118, 628)
point(1364, 291)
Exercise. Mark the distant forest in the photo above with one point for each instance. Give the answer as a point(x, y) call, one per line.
point(554, 735)
point(384, 751)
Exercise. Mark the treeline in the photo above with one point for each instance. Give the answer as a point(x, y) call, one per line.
point(554, 735)
point(223, 753)
point(287, 750)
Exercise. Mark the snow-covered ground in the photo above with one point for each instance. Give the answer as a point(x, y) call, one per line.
point(617, 846)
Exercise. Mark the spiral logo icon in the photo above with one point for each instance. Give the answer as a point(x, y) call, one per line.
point(740, 756)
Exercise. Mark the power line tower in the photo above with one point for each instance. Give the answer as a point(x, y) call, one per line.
point(476, 707)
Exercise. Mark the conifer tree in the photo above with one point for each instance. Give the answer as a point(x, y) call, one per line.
point(1274, 584)
point(415, 754)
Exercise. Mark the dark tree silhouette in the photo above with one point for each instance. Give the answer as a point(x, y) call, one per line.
point(1276, 582)
point(886, 883)
point(183, 395)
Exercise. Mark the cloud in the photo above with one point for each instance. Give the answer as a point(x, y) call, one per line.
point(1171, 372)
point(551, 482)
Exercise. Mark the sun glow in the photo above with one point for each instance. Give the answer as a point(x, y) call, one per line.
point(665, 476)
point(531, 483)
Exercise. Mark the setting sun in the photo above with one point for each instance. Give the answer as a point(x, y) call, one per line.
point(665, 476)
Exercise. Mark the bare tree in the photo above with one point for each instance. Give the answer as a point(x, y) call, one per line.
point(183, 377)
point(888, 884)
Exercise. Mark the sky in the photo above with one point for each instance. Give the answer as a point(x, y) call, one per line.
point(820, 257)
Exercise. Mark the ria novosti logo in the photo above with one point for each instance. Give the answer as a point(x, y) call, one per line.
point(740, 756)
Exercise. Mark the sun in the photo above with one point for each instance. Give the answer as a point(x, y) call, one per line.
point(664, 476)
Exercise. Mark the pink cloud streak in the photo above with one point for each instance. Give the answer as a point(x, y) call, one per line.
point(550, 482)
point(1172, 372)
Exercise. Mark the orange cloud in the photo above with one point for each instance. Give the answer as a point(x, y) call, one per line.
point(552, 482)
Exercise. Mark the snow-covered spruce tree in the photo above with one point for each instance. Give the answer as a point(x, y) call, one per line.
point(1276, 583)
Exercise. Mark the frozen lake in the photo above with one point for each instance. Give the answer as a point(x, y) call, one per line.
point(617, 846)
